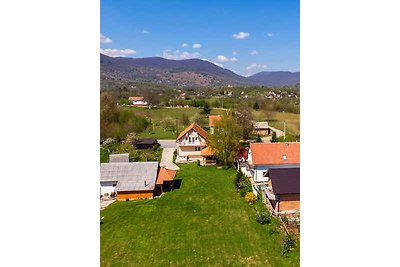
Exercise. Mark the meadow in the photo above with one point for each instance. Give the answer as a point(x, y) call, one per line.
point(203, 223)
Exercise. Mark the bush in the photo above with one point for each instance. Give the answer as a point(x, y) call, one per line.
point(250, 198)
point(263, 217)
point(127, 199)
point(288, 243)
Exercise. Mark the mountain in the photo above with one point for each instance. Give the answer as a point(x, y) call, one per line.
point(276, 78)
point(185, 73)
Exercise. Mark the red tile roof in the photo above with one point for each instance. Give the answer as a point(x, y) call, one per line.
point(242, 153)
point(165, 174)
point(213, 119)
point(135, 98)
point(275, 153)
point(207, 151)
point(195, 127)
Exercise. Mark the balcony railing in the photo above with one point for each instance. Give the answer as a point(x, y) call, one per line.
point(195, 143)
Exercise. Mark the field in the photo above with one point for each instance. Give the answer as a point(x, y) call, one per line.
point(160, 116)
point(203, 223)
point(276, 119)
point(166, 123)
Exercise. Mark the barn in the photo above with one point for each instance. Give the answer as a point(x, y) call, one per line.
point(130, 180)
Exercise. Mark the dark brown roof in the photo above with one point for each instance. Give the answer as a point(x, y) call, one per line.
point(285, 180)
point(146, 141)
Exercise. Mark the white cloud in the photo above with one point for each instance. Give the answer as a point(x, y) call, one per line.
point(234, 53)
point(254, 52)
point(256, 66)
point(117, 52)
point(196, 45)
point(105, 39)
point(215, 63)
point(169, 54)
point(145, 32)
point(241, 35)
point(222, 58)
point(185, 45)
point(270, 34)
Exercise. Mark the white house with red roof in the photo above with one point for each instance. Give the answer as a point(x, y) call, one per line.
point(264, 156)
point(137, 101)
point(190, 144)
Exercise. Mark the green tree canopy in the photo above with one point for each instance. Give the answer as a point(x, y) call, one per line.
point(226, 139)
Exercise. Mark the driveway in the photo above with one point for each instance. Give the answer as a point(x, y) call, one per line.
point(105, 203)
point(169, 147)
point(167, 143)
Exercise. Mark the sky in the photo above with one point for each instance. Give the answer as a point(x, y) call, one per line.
point(244, 36)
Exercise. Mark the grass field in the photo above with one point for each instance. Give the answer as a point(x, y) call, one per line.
point(276, 119)
point(203, 223)
point(158, 130)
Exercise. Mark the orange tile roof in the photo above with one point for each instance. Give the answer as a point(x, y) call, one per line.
point(165, 174)
point(207, 151)
point(135, 98)
point(195, 127)
point(213, 119)
point(273, 153)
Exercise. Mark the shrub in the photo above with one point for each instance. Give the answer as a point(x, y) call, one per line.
point(127, 199)
point(263, 217)
point(288, 243)
point(250, 198)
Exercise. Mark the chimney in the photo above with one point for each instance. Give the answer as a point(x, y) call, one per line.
point(145, 183)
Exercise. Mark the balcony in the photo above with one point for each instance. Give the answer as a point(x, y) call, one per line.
point(195, 143)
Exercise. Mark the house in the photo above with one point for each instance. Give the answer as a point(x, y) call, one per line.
point(134, 180)
point(265, 156)
point(283, 189)
point(212, 121)
point(130, 180)
point(137, 101)
point(261, 128)
point(190, 143)
point(145, 143)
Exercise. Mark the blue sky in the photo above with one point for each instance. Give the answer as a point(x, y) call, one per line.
point(244, 36)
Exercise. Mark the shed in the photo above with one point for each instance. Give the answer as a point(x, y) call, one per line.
point(131, 180)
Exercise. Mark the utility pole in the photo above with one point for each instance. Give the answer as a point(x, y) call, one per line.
point(284, 130)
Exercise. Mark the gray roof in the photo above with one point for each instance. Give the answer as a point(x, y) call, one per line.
point(119, 157)
point(260, 125)
point(130, 176)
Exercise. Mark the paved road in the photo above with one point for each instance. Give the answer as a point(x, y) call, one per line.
point(166, 159)
point(169, 147)
point(167, 143)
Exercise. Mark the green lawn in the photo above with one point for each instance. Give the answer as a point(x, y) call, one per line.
point(204, 223)
point(159, 130)
point(276, 119)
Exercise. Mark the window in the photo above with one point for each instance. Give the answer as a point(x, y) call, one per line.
point(265, 174)
point(197, 148)
point(114, 185)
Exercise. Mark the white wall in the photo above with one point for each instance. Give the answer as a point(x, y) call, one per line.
point(107, 187)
